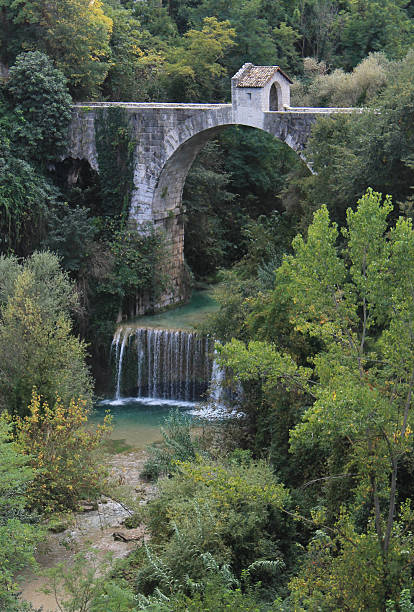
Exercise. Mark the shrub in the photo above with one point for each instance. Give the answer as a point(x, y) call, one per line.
point(216, 597)
point(214, 519)
point(177, 445)
point(63, 453)
point(326, 579)
point(340, 88)
point(17, 537)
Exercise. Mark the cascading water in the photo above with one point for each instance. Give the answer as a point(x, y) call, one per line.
point(161, 364)
point(216, 383)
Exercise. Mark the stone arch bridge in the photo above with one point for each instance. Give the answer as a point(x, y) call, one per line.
point(167, 138)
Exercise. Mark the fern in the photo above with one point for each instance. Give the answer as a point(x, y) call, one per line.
point(160, 570)
point(210, 563)
point(148, 603)
point(264, 565)
point(224, 573)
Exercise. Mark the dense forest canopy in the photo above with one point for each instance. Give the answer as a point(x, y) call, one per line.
point(157, 50)
point(312, 486)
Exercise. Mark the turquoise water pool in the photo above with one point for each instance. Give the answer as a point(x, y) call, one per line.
point(137, 423)
point(184, 317)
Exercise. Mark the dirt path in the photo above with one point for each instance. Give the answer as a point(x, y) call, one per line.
point(94, 528)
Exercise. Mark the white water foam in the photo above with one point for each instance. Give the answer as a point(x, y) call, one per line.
point(148, 401)
point(215, 413)
point(169, 365)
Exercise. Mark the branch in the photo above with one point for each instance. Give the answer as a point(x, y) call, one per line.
point(335, 531)
point(394, 462)
point(307, 484)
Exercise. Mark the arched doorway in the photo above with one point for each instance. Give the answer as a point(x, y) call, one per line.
point(275, 98)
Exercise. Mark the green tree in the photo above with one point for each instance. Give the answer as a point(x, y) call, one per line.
point(326, 579)
point(318, 22)
point(135, 55)
point(35, 110)
point(37, 346)
point(258, 165)
point(369, 25)
point(210, 213)
point(25, 200)
point(70, 233)
point(192, 70)
point(374, 148)
point(264, 32)
point(74, 33)
point(38, 92)
point(356, 302)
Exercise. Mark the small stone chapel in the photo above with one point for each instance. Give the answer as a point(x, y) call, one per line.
point(261, 87)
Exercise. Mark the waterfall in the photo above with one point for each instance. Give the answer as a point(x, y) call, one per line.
point(172, 366)
point(216, 384)
point(160, 364)
point(120, 357)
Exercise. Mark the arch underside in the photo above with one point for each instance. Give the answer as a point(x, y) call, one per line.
point(169, 188)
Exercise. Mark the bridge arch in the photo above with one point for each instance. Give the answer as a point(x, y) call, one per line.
point(183, 147)
point(167, 209)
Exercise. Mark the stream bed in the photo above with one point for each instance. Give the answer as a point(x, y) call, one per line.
point(92, 532)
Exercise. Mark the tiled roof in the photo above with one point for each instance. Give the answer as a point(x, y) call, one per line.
point(258, 76)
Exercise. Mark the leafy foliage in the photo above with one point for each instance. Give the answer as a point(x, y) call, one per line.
point(359, 309)
point(324, 347)
point(62, 453)
point(37, 346)
point(18, 538)
point(192, 69)
point(75, 33)
point(80, 588)
point(216, 512)
point(177, 445)
point(39, 94)
point(70, 233)
point(371, 149)
point(115, 150)
point(25, 200)
point(326, 579)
